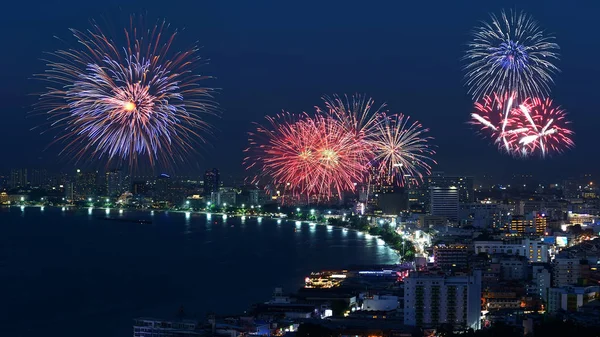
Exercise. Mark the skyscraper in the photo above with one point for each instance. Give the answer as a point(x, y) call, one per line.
point(114, 183)
point(18, 178)
point(38, 178)
point(464, 185)
point(85, 184)
point(444, 202)
point(211, 182)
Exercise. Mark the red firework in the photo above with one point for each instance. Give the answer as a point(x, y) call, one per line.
point(546, 128)
point(495, 116)
point(308, 155)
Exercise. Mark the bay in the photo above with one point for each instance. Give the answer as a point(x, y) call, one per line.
point(69, 273)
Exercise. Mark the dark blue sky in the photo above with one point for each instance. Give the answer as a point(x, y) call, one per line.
point(274, 55)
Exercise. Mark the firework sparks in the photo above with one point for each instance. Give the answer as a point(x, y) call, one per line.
point(494, 115)
point(510, 55)
point(130, 101)
point(546, 129)
point(401, 149)
point(311, 155)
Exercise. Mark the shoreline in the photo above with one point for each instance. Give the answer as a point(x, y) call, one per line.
point(151, 212)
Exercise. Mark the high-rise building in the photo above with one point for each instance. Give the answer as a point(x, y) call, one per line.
point(464, 184)
point(18, 178)
point(211, 182)
point(162, 188)
point(565, 271)
point(434, 299)
point(445, 202)
point(38, 178)
point(85, 184)
point(114, 183)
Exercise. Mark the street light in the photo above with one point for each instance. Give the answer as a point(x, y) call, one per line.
point(187, 202)
point(297, 209)
point(89, 199)
point(312, 211)
point(224, 204)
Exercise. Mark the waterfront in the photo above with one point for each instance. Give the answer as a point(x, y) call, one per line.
point(68, 273)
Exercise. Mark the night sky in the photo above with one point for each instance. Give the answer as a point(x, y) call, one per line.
point(273, 55)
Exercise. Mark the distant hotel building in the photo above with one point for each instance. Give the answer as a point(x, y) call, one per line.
point(444, 202)
point(432, 300)
point(535, 251)
point(211, 182)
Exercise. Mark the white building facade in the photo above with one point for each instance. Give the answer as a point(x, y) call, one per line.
point(431, 300)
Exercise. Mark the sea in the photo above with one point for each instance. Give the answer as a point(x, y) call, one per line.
point(71, 273)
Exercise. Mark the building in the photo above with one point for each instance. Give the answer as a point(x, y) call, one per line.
point(444, 202)
point(225, 196)
point(85, 185)
point(150, 327)
point(431, 300)
point(565, 271)
point(484, 215)
point(571, 298)
point(531, 224)
point(140, 188)
point(38, 178)
point(449, 257)
point(541, 281)
point(162, 188)
point(535, 251)
point(18, 178)
point(380, 303)
point(512, 267)
point(211, 182)
point(394, 202)
point(464, 185)
point(114, 183)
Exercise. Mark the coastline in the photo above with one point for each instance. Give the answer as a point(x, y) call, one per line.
point(279, 219)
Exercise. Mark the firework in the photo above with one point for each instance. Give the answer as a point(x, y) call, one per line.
point(495, 116)
point(283, 151)
point(130, 101)
point(547, 129)
point(356, 114)
point(310, 155)
point(402, 149)
point(510, 55)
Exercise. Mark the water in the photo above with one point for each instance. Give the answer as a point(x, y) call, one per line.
point(67, 273)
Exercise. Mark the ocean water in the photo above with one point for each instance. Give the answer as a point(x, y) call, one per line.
point(71, 274)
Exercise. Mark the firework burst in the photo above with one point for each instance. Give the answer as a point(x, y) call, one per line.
point(127, 102)
point(401, 149)
point(546, 128)
point(511, 55)
point(309, 155)
point(495, 116)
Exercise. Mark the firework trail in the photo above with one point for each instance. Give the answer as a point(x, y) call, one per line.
point(510, 55)
point(130, 101)
point(547, 129)
point(402, 149)
point(311, 155)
